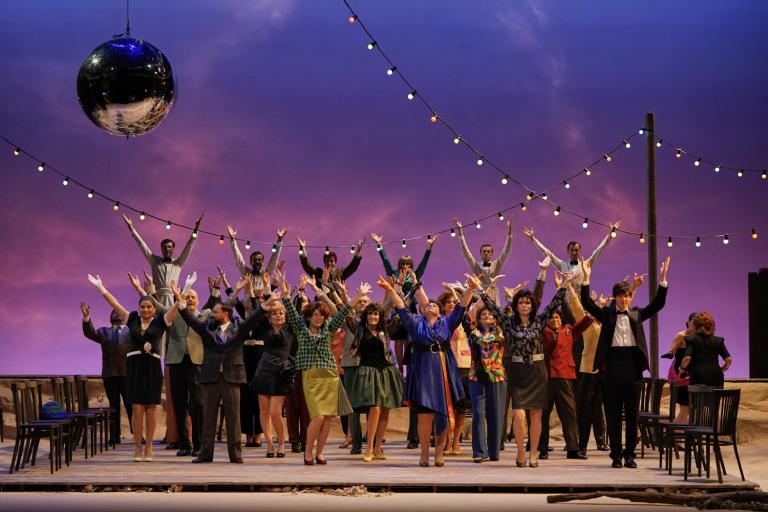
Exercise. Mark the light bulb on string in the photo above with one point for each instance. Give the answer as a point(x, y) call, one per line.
point(274, 248)
point(352, 250)
point(607, 157)
point(566, 185)
point(627, 144)
point(725, 240)
point(247, 244)
point(585, 224)
point(168, 225)
point(411, 95)
point(754, 233)
point(391, 71)
point(669, 242)
point(453, 233)
point(641, 131)
point(66, 181)
point(557, 211)
point(523, 207)
point(403, 244)
point(16, 151)
point(587, 171)
point(433, 119)
point(457, 139)
point(221, 240)
point(90, 194)
point(717, 168)
point(501, 216)
point(659, 143)
point(477, 224)
point(642, 238)
point(698, 242)
point(142, 216)
point(740, 173)
point(116, 206)
point(678, 153)
point(327, 250)
point(613, 232)
point(352, 18)
point(41, 167)
point(544, 196)
point(195, 234)
point(697, 162)
point(480, 160)
point(529, 196)
point(764, 175)
point(372, 45)
point(505, 179)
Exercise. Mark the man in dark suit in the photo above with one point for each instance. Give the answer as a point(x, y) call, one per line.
point(222, 371)
point(622, 355)
point(113, 363)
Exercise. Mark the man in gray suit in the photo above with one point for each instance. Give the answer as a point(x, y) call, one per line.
point(113, 363)
point(222, 371)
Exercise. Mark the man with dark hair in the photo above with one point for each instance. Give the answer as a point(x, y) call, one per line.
point(622, 355)
point(256, 259)
point(113, 363)
point(326, 276)
point(487, 267)
point(165, 268)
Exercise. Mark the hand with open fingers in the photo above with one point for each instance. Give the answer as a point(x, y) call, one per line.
point(128, 220)
point(545, 263)
point(664, 269)
point(191, 280)
point(586, 269)
point(383, 283)
point(431, 241)
point(281, 233)
point(528, 232)
point(85, 309)
point(232, 232)
point(473, 282)
point(364, 289)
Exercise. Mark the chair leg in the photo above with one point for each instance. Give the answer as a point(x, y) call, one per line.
point(16, 449)
point(718, 461)
point(738, 460)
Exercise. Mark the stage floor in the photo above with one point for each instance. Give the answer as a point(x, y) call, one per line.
point(115, 470)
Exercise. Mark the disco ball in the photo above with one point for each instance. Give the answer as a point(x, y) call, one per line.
point(126, 86)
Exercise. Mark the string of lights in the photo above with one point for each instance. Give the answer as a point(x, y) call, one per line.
point(118, 205)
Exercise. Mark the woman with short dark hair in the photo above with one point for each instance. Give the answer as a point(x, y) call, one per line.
point(702, 351)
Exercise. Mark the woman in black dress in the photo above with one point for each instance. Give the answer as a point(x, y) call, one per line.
point(144, 377)
point(377, 386)
point(274, 376)
point(701, 352)
point(677, 353)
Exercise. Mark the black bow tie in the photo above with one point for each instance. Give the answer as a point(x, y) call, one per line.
point(618, 312)
point(167, 260)
point(486, 264)
point(574, 262)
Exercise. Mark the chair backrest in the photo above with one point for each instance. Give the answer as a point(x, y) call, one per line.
point(82, 392)
point(727, 411)
point(657, 388)
point(18, 391)
point(57, 383)
point(701, 406)
point(645, 395)
point(70, 394)
point(32, 399)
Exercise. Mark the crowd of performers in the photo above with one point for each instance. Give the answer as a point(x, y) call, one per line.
point(473, 347)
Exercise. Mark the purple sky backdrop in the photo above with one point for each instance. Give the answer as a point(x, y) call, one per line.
point(284, 118)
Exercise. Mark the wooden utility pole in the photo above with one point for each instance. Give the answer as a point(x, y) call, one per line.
point(653, 281)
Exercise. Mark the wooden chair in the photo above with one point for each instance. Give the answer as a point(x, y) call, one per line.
point(649, 414)
point(719, 429)
point(83, 422)
point(103, 414)
point(30, 429)
point(672, 432)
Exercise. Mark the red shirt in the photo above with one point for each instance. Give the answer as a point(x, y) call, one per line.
point(558, 353)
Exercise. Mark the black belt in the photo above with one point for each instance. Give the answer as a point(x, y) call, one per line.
point(434, 347)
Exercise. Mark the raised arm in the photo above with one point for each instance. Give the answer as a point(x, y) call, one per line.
point(139, 241)
point(422, 267)
point(319, 293)
point(304, 258)
point(88, 330)
point(541, 247)
point(134, 279)
point(111, 300)
point(586, 297)
point(397, 301)
point(383, 254)
point(602, 245)
point(471, 261)
point(575, 303)
point(507, 247)
point(355, 263)
point(660, 299)
point(239, 261)
point(184, 256)
point(272, 263)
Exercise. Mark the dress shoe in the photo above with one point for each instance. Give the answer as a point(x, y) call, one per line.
point(200, 460)
point(602, 447)
point(310, 462)
point(544, 455)
point(616, 464)
point(184, 452)
point(270, 455)
point(172, 446)
point(195, 452)
point(533, 463)
point(252, 444)
point(296, 448)
point(494, 459)
point(320, 461)
point(280, 455)
point(520, 464)
point(424, 464)
point(238, 460)
point(356, 451)
point(574, 454)
point(439, 464)
point(629, 462)
point(412, 445)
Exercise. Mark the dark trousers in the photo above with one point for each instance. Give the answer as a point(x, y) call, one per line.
point(229, 395)
point(413, 425)
point(186, 399)
point(250, 423)
point(623, 375)
point(487, 417)
point(560, 394)
point(354, 428)
point(115, 387)
point(296, 412)
point(590, 412)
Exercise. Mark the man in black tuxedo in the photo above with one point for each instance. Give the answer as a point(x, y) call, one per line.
point(622, 355)
point(222, 371)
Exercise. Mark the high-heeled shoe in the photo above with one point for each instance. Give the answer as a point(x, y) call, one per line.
point(439, 464)
point(424, 464)
point(310, 462)
point(520, 464)
point(533, 463)
point(368, 457)
point(320, 461)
